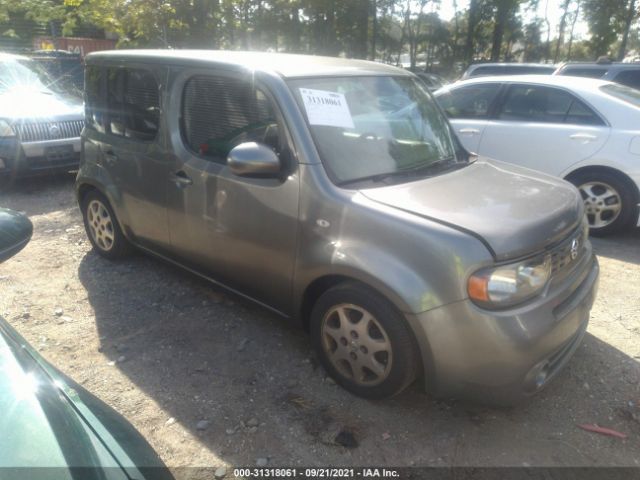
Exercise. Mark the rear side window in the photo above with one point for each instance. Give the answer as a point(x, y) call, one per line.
point(510, 70)
point(123, 102)
point(219, 113)
point(472, 101)
point(630, 78)
point(95, 98)
point(545, 104)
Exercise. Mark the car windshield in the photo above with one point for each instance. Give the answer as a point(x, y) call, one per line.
point(627, 94)
point(367, 128)
point(25, 75)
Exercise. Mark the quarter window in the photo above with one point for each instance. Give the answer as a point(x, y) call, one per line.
point(547, 105)
point(472, 101)
point(123, 102)
point(219, 113)
point(630, 78)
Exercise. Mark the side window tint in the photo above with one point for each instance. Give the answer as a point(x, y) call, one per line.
point(115, 101)
point(219, 113)
point(141, 105)
point(536, 104)
point(547, 105)
point(133, 103)
point(472, 101)
point(584, 72)
point(95, 98)
point(630, 78)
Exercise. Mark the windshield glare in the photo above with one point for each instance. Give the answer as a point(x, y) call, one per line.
point(369, 126)
point(26, 75)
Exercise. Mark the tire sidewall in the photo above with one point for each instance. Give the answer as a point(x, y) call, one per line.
point(404, 364)
point(120, 246)
point(628, 209)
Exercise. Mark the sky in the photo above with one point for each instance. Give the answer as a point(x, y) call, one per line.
point(554, 12)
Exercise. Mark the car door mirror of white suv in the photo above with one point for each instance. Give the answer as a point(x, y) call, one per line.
point(251, 159)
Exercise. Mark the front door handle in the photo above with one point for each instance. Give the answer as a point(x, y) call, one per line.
point(469, 131)
point(181, 179)
point(586, 137)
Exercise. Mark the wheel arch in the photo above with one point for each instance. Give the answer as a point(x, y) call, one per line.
point(610, 170)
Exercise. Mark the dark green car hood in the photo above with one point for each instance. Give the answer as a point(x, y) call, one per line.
point(49, 421)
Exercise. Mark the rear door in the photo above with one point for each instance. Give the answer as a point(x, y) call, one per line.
point(543, 128)
point(468, 108)
point(124, 137)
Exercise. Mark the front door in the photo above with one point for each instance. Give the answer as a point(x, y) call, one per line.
point(242, 231)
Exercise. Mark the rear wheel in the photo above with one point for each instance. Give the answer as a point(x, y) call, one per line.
point(363, 342)
point(610, 203)
point(102, 227)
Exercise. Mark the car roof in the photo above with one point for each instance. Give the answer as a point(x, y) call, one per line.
point(572, 83)
point(287, 65)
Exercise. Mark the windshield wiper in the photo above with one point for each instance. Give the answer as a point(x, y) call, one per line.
point(434, 167)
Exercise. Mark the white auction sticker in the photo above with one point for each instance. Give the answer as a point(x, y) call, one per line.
point(326, 108)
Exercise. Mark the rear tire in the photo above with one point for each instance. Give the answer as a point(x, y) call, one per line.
point(610, 202)
point(363, 341)
point(102, 227)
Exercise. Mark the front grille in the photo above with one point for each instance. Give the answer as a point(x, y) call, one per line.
point(568, 253)
point(43, 131)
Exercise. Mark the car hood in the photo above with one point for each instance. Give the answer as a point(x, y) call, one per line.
point(32, 105)
point(49, 421)
point(514, 211)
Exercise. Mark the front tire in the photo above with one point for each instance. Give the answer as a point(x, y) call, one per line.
point(363, 341)
point(103, 228)
point(610, 203)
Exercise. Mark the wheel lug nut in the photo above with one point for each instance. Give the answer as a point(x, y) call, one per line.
point(354, 334)
point(353, 356)
point(363, 349)
point(343, 341)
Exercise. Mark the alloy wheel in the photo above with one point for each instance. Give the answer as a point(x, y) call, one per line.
point(356, 344)
point(100, 225)
point(602, 203)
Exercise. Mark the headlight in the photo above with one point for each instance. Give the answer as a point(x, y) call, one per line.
point(508, 285)
point(5, 129)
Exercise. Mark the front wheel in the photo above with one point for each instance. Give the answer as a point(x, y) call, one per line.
point(610, 204)
point(363, 342)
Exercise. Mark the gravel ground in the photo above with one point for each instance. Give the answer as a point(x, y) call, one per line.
point(211, 380)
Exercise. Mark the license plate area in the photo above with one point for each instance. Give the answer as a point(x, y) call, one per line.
point(59, 153)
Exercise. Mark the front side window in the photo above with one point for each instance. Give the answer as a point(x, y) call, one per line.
point(219, 113)
point(370, 128)
point(471, 101)
point(95, 98)
point(532, 103)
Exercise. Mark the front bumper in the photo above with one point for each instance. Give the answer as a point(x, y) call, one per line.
point(502, 357)
point(24, 159)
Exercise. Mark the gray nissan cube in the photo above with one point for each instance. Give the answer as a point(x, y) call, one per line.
point(334, 193)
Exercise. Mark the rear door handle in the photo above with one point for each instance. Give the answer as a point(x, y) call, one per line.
point(587, 137)
point(181, 179)
point(469, 131)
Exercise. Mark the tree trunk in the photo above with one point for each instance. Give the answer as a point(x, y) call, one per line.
point(563, 24)
point(573, 26)
point(374, 32)
point(631, 14)
point(471, 27)
point(502, 14)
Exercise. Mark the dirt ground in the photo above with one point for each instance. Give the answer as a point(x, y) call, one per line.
point(211, 380)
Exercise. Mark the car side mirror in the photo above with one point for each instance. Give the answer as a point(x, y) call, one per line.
point(251, 159)
point(15, 232)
